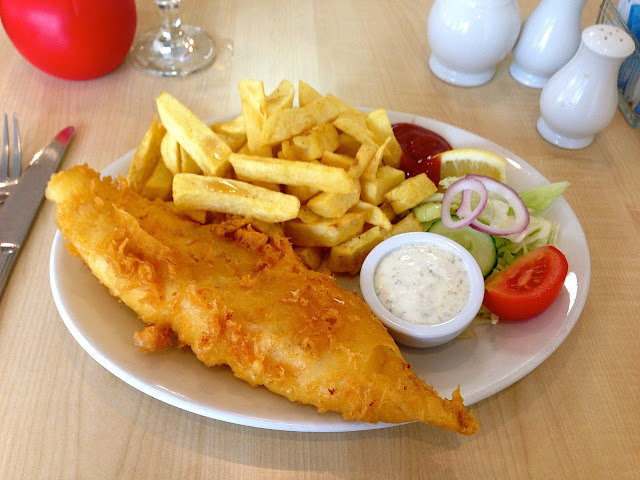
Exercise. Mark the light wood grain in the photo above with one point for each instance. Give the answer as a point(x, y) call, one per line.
point(575, 416)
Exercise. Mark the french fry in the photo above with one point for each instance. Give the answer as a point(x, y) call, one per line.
point(410, 193)
point(281, 98)
point(187, 164)
point(356, 126)
point(234, 142)
point(378, 122)
point(387, 178)
point(372, 215)
point(268, 185)
point(289, 122)
point(326, 109)
point(347, 145)
point(306, 94)
point(205, 147)
point(262, 151)
point(372, 169)
point(364, 156)
point(285, 124)
point(334, 205)
point(199, 216)
point(312, 144)
point(159, 184)
point(348, 256)
point(146, 157)
point(170, 151)
point(254, 110)
point(303, 192)
point(288, 151)
point(387, 209)
point(290, 172)
point(333, 159)
point(233, 133)
point(328, 136)
point(345, 107)
point(324, 233)
point(312, 257)
point(232, 196)
point(407, 225)
point(309, 146)
point(232, 128)
point(306, 215)
point(268, 228)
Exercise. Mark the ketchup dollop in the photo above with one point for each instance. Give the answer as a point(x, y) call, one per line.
point(420, 149)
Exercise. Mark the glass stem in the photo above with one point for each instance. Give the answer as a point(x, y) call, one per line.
point(171, 24)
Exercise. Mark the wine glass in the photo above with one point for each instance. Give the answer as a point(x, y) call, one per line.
point(174, 49)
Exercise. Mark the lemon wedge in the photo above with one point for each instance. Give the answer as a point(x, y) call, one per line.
point(463, 161)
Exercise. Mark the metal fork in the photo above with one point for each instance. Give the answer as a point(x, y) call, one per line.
point(11, 164)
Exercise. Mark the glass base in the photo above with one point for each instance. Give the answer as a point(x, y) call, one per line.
point(189, 52)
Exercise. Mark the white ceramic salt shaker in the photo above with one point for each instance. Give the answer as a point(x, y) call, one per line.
point(580, 100)
point(550, 37)
point(469, 38)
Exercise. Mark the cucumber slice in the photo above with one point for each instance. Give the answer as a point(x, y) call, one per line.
point(480, 245)
point(427, 212)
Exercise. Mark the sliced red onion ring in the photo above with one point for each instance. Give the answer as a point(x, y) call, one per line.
point(464, 210)
point(482, 185)
point(467, 216)
point(520, 210)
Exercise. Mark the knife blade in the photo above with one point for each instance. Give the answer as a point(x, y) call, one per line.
point(20, 207)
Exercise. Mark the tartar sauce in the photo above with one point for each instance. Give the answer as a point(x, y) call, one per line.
point(422, 284)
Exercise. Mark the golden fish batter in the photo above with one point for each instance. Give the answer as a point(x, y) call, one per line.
point(238, 298)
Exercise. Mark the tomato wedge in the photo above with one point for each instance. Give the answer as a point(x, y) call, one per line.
point(528, 286)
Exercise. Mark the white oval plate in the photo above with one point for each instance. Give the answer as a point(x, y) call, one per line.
point(498, 356)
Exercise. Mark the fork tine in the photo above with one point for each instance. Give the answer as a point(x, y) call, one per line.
point(4, 165)
point(16, 154)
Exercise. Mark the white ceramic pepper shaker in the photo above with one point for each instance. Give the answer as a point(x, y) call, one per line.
point(549, 38)
point(580, 100)
point(469, 38)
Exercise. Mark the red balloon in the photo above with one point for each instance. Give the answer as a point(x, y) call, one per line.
point(72, 39)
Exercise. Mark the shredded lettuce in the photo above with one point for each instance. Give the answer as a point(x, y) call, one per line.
point(540, 232)
point(538, 199)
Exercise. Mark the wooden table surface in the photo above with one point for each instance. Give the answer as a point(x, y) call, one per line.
point(575, 416)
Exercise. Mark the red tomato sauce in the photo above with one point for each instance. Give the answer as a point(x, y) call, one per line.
point(420, 147)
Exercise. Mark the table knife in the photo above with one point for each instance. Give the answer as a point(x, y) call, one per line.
point(20, 207)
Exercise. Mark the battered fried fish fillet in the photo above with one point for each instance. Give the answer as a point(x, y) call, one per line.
point(237, 297)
